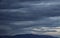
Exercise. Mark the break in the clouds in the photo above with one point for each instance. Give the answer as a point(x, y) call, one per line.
point(23, 17)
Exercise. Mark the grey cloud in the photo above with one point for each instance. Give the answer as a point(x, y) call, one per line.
point(7, 4)
point(35, 11)
point(4, 30)
point(29, 14)
point(32, 30)
point(18, 26)
point(49, 22)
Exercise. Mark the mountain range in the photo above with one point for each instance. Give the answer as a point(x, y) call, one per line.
point(29, 36)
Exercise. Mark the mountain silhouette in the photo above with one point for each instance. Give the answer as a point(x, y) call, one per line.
point(28, 36)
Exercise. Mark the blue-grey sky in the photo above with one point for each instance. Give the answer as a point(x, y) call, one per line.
point(29, 16)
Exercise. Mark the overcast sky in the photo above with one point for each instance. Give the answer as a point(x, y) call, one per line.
point(29, 17)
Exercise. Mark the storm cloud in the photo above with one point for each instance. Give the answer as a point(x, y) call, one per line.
point(25, 16)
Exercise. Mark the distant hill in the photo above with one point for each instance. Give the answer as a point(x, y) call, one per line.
point(28, 36)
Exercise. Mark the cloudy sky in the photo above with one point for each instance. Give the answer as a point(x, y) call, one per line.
point(29, 17)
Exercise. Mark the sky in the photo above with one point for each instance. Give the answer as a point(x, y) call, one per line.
point(30, 17)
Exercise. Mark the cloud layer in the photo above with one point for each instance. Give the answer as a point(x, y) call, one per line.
point(29, 16)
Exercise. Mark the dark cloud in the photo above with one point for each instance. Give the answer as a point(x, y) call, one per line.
point(30, 11)
point(7, 4)
point(17, 15)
